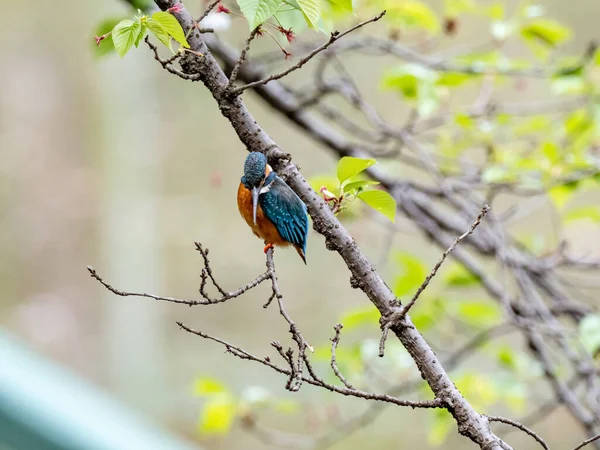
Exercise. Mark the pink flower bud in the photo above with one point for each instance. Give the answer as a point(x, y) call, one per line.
point(222, 9)
point(175, 9)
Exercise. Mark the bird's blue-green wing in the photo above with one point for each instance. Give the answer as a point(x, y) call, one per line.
point(284, 208)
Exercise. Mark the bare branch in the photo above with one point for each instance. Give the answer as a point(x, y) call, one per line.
point(398, 316)
point(587, 441)
point(314, 379)
point(433, 272)
point(166, 64)
point(206, 273)
point(336, 35)
point(242, 58)
point(207, 11)
point(520, 426)
point(334, 343)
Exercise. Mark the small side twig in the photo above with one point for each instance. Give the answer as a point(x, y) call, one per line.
point(587, 441)
point(207, 11)
point(297, 369)
point(167, 63)
point(313, 379)
point(334, 343)
point(400, 313)
point(520, 426)
point(433, 272)
point(242, 58)
point(336, 35)
point(205, 274)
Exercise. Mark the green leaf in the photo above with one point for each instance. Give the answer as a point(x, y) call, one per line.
point(507, 357)
point(495, 174)
point(546, 31)
point(533, 125)
point(478, 388)
point(560, 195)
point(170, 23)
point(551, 152)
point(408, 78)
point(217, 415)
point(478, 312)
point(496, 11)
point(209, 386)
point(343, 4)
point(358, 317)
point(589, 332)
point(141, 35)
point(442, 424)
point(458, 275)
point(349, 167)
point(413, 274)
point(572, 84)
point(586, 212)
point(413, 13)
point(258, 11)
point(125, 34)
point(453, 79)
point(291, 18)
point(454, 8)
point(312, 12)
point(330, 182)
point(159, 31)
point(360, 184)
point(106, 46)
point(380, 201)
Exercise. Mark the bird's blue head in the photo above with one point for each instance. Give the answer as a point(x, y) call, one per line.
point(255, 169)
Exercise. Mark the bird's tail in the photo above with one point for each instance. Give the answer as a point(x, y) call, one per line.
point(301, 253)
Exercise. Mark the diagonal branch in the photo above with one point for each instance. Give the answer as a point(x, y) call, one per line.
point(521, 427)
point(470, 423)
point(398, 316)
point(336, 35)
point(588, 441)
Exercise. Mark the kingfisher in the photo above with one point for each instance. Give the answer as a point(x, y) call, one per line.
point(270, 207)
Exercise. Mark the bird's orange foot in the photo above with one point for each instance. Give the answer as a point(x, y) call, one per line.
point(268, 246)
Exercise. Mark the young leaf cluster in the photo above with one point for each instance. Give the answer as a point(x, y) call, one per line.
point(130, 32)
point(290, 13)
point(349, 184)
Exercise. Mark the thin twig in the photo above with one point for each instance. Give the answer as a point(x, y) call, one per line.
point(242, 58)
point(520, 426)
point(206, 273)
point(587, 441)
point(433, 272)
point(334, 343)
point(336, 35)
point(400, 313)
point(166, 64)
point(293, 385)
point(314, 379)
point(204, 253)
point(208, 10)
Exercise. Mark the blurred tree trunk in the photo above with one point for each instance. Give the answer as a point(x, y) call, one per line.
point(135, 338)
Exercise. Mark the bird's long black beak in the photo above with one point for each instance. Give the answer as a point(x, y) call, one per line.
point(255, 193)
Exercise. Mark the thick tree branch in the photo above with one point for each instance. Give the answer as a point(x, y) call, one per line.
point(470, 423)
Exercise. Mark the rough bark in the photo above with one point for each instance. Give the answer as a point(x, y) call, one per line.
point(364, 276)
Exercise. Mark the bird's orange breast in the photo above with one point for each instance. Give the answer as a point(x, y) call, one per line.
point(263, 228)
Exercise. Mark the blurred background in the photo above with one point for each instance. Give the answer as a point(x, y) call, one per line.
point(114, 163)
